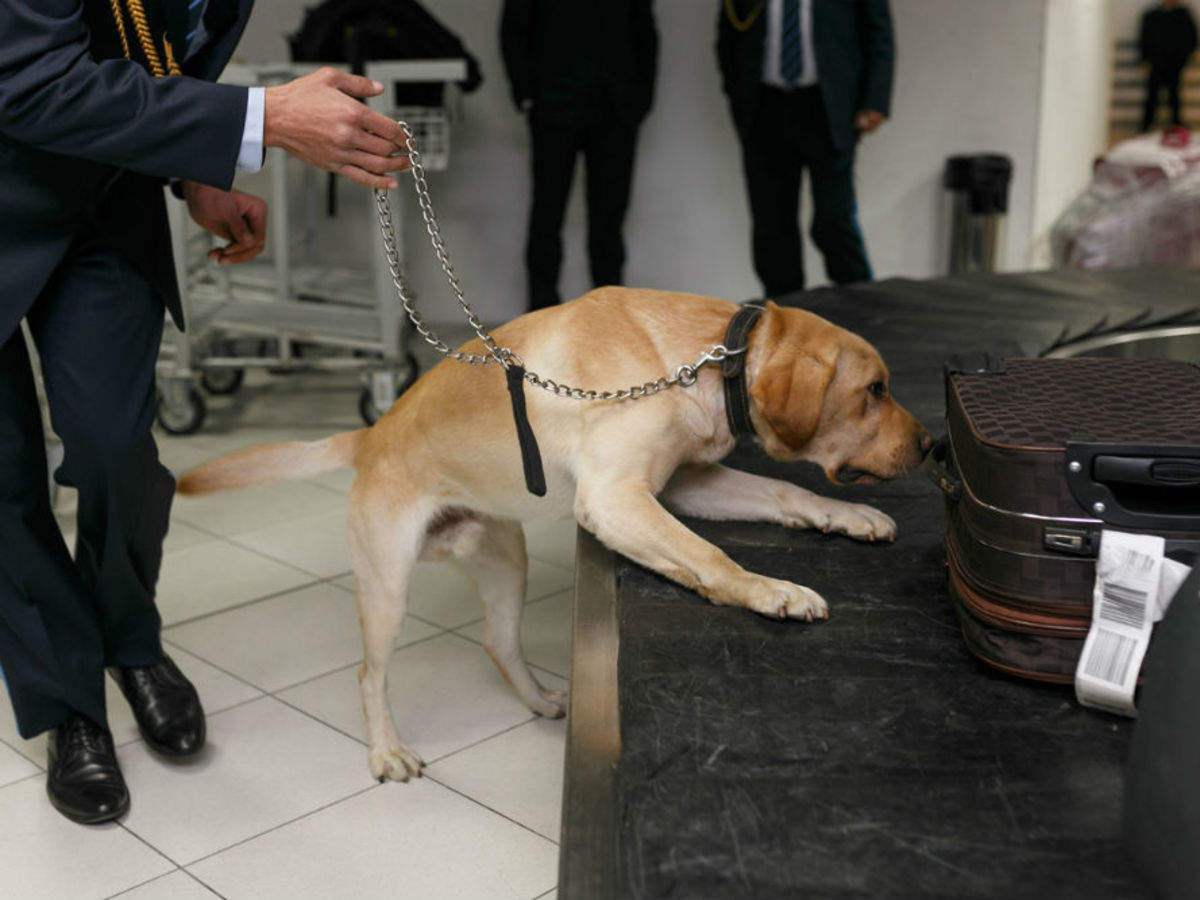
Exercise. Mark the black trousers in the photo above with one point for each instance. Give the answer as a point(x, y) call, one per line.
point(1157, 80)
point(97, 326)
point(607, 142)
point(789, 132)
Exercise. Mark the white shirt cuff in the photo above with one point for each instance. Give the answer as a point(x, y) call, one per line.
point(250, 157)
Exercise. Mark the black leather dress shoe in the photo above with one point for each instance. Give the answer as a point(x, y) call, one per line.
point(83, 779)
point(166, 706)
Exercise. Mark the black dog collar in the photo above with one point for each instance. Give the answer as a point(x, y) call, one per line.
point(733, 369)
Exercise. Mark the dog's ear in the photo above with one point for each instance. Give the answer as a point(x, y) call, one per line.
point(790, 388)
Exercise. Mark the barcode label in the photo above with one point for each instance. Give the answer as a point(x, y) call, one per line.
point(1123, 605)
point(1124, 608)
point(1110, 657)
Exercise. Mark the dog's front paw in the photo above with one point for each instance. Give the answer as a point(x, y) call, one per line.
point(395, 762)
point(551, 704)
point(857, 520)
point(784, 600)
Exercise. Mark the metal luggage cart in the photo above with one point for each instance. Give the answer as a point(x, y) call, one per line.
point(286, 313)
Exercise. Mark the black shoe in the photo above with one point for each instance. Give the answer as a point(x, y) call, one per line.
point(166, 706)
point(83, 779)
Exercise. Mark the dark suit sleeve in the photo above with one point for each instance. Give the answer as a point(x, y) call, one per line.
point(724, 46)
point(54, 96)
point(516, 35)
point(879, 55)
point(1190, 43)
point(645, 36)
point(1144, 38)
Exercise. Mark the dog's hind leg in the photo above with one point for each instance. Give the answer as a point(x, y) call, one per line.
point(497, 563)
point(384, 545)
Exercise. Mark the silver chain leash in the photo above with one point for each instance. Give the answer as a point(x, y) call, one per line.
point(684, 376)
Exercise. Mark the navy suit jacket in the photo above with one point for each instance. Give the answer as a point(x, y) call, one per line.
point(855, 50)
point(87, 140)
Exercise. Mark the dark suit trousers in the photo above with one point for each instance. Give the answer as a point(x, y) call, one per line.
point(1155, 82)
point(789, 133)
point(607, 143)
point(97, 326)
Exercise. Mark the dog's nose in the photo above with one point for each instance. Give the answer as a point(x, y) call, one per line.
point(926, 443)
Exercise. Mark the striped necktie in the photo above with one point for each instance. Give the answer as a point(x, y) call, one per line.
point(791, 55)
point(195, 32)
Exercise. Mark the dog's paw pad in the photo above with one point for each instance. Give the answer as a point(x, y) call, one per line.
point(395, 763)
point(550, 704)
point(784, 600)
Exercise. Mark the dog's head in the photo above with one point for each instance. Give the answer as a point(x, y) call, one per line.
point(822, 394)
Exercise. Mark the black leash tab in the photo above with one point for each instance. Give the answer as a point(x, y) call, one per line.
point(531, 457)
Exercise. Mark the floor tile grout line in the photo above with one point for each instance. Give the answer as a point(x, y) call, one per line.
point(19, 753)
point(527, 662)
point(320, 721)
point(343, 494)
point(445, 756)
point(478, 802)
point(269, 596)
point(142, 840)
point(141, 884)
point(442, 632)
point(358, 662)
point(200, 881)
point(166, 640)
point(233, 541)
point(22, 780)
point(312, 812)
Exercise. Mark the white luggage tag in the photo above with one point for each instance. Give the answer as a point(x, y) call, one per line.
point(1134, 586)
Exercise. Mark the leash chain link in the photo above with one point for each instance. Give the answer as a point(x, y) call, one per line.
point(684, 376)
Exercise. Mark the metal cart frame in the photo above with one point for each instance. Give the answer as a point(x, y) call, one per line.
point(354, 317)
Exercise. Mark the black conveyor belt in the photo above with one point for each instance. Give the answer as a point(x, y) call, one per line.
point(870, 755)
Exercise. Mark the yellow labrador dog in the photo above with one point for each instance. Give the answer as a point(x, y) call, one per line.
point(440, 476)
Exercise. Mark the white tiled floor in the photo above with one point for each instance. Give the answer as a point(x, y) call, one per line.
point(258, 604)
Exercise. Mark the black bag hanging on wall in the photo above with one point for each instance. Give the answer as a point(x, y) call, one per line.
point(357, 31)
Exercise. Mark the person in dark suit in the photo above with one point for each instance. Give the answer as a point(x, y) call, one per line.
point(102, 101)
point(583, 74)
point(1166, 40)
point(805, 78)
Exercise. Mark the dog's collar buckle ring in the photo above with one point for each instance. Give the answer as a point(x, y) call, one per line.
point(733, 368)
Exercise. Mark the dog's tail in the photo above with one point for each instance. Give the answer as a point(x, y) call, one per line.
point(288, 460)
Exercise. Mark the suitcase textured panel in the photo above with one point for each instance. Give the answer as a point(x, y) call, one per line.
point(1041, 455)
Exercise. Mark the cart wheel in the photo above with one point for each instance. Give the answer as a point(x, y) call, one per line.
point(366, 407)
point(410, 376)
point(366, 400)
point(222, 381)
point(184, 418)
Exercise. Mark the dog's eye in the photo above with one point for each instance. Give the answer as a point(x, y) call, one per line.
point(878, 389)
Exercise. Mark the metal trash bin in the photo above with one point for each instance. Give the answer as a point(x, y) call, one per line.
point(978, 186)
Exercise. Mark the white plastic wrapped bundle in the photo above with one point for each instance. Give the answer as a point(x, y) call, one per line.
point(1141, 209)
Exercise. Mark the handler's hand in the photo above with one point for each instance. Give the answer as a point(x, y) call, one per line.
point(233, 216)
point(867, 120)
point(316, 120)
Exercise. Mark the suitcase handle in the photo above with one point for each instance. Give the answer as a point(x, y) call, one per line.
point(1152, 487)
point(1147, 470)
point(937, 467)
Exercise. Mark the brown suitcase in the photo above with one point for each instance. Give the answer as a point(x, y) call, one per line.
point(1040, 455)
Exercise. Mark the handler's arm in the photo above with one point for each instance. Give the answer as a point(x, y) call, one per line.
point(55, 97)
point(879, 53)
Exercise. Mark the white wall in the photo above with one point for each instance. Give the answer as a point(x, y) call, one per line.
point(1074, 109)
point(967, 80)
